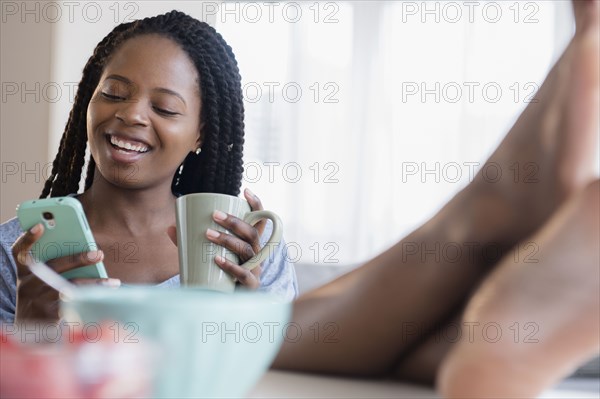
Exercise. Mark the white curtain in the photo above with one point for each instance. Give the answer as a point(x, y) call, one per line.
point(364, 118)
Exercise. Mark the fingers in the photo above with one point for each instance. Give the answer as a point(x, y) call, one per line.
point(248, 278)
point(244, 242)
point(22, 247)
point(253, 200)
point(241, 248)
point(244, 234)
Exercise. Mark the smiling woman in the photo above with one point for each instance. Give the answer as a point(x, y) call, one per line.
point(160, 105)
point(145, 112)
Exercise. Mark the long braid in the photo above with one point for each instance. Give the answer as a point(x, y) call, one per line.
point(234, 119)
point(67, 166)
point(218, 168)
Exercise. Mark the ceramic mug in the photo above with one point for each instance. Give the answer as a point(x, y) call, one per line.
point(197, 254)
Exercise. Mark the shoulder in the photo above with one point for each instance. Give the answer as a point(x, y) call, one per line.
point(9, 232)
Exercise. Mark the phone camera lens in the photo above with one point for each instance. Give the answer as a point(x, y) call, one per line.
point(48, 216)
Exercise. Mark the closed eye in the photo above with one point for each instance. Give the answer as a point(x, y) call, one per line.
point(165, 112)
point(112, 97)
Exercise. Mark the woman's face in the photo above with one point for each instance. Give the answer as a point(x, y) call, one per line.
point(144, 116)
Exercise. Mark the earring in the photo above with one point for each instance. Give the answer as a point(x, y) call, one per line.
point(198, 150)
point(179, 170)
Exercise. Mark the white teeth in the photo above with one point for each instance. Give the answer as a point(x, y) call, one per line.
point(128, 146)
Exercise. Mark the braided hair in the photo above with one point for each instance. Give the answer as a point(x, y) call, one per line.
point(218, 168)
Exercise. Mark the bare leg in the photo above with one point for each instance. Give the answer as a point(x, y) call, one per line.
point(542, 319)
point(371, 307)
point(422, 363)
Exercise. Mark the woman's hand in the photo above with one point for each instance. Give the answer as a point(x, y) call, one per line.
point(245, 242)
point(35, 299)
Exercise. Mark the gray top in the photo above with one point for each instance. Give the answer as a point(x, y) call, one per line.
point(278, 275)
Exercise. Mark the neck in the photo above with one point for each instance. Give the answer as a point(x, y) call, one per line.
point(131, 211)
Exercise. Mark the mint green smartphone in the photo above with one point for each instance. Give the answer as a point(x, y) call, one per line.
point(66, 232)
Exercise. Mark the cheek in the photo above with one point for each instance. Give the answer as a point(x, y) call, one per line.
point(181, 137)
point(94, 113)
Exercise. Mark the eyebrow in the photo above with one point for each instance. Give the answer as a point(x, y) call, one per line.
point(158, 89)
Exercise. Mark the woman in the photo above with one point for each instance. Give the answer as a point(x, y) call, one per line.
point(160, 104)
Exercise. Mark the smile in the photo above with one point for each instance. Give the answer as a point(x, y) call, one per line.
point(128, 146)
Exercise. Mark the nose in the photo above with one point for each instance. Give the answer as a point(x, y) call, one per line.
point(132, 113)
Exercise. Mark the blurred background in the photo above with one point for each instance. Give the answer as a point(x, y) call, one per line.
point(363, 118)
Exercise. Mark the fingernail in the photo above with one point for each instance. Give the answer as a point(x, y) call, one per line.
point(250, 193)
point(219, 259)
point(218, 215)
point(111, 282)
point(210, 233)
point(35, 229)
point(95, 255)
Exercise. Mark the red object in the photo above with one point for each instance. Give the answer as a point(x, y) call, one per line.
point(76, 368)
point(34, 372)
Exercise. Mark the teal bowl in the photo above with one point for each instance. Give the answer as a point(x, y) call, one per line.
point(210, 344)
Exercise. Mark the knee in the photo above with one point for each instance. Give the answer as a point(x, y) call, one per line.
point(455, 377)
point(473, 373)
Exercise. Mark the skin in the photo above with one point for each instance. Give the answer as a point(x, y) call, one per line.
point(148, 92)
point(544, 313)
point(401, 298)
point(570, 92)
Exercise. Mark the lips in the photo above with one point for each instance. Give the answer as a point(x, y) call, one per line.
point(126, 149)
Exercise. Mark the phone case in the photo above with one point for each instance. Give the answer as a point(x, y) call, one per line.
point(66, 232)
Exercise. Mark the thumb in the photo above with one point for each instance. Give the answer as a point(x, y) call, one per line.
point(172, 233)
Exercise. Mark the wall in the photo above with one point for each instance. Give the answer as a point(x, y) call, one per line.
point(44, 47)
point(24, 113)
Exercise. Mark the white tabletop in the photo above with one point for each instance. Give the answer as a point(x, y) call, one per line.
point(281, 384)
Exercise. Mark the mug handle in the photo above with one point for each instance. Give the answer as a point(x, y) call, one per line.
point(254, 217)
